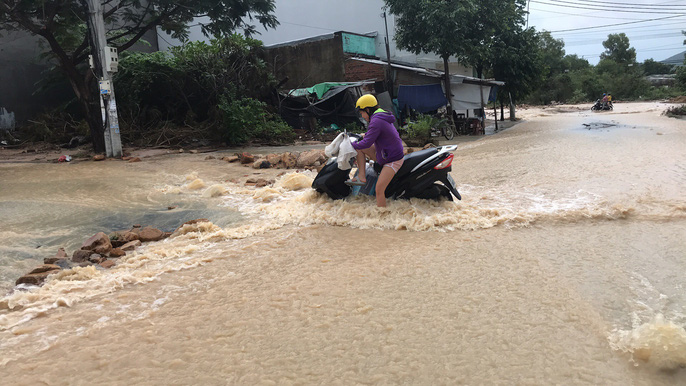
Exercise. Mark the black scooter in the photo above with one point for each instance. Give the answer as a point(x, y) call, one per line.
point(424, 174)
point(600, 106)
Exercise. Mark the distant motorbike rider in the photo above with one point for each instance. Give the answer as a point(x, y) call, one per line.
point(381, 143)
point(604, 101)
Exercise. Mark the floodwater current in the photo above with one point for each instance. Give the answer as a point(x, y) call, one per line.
point(563, 264)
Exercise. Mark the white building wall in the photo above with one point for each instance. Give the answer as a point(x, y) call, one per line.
point(301, 19)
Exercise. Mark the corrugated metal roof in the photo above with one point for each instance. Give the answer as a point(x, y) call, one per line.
point(434, 73)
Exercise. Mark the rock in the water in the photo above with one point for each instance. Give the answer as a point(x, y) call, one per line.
point(45, 268)
point(289, 160)
point(274, 159)
point(34, 278)
point(135, 159)
point(131, 245)
point(261, 164)
point(130, 236)
point(107, 263)
point(210, 157)
point(98, 157)
point(191, 222)
point(150, 234)
point(61, 254)
point(231, 159)
point(80, 256)
point(98, 243)
point(63, 263)
point(96, 258)
point(308, 158)
point(117, 252)
point(261, 183)
point(246, 158)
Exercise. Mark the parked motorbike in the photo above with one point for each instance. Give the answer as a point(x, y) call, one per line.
point(424, 174)
point(600, 106)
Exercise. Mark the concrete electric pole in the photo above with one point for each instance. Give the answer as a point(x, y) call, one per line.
point(105, 61)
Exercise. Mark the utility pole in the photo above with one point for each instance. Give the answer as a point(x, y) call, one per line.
point(389, 71)
point(105, 61)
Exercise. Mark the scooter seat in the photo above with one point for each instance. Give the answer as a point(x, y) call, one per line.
point(414, 159)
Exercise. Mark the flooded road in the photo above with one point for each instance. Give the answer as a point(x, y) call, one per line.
point(563, 264)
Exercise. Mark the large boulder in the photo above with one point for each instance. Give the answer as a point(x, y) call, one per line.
point(289, 160)
point(117, 252)
point(60, 255)
point(246, 158)
point(261, 164)
point(45, 268)
point(34, 278)
point(131, 245)
point(274, 159)
point(231, 159)
point(150, 234)
point(80, 256)
point(38, 275)
point(310, 158)
point(131, 235)
point(107, 263)
point(96, 258)
point(98, 243)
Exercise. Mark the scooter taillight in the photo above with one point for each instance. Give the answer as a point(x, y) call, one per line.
point(445, 163)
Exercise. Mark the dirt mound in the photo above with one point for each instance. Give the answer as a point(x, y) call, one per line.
point(679, 99)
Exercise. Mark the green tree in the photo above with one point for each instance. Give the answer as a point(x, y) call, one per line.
point(552, 53)
point(61, 25)
point(491, 22)
point(618, 49)
point(517, 63)
point(651, 67)
point(432, 26)
point(575, 63)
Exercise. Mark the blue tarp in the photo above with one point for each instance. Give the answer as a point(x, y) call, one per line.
point(423, 98)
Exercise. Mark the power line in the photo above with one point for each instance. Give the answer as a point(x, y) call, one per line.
point(635, 38)
point(567, 14)
point(621, 5)
point(608, 9)
point(617, 24)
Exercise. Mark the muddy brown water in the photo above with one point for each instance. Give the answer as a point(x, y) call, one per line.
point(563, 264)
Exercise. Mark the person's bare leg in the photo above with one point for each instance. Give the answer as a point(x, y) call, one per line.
point(361, 161)
point(385, 178)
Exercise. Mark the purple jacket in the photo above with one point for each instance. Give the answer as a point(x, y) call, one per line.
point(382, 133)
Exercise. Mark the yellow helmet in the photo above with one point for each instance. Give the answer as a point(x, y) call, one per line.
point(367, 100)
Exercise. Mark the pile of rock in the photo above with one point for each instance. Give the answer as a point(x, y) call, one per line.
point(311, 160)
point(100, 249)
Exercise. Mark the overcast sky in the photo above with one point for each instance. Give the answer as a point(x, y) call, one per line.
point(653, 27)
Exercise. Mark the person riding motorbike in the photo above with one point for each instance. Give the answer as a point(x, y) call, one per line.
point(381, 143)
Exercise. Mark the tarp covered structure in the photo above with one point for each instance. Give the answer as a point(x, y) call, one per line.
point(467, 95)
point(422, 98)
point(336, 105)
point(319, 89)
